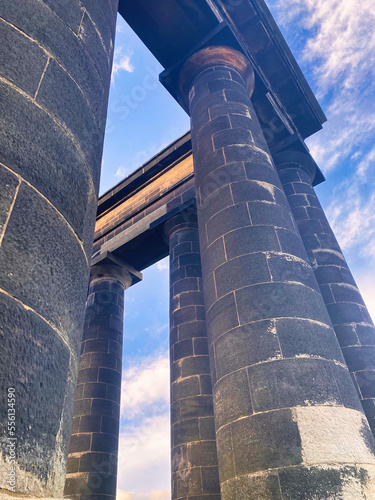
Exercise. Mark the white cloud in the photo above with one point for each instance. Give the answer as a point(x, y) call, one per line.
point(366, 285)
point(144, 459)
point(339, 54)
point(122, 62)
point(365, 164)
point(163, 264)
point(145, 387)
point(153, 495)
point(122, 172)
point(341, 49)
point(352, 216)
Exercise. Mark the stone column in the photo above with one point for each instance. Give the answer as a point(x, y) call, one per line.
point(54, 80)
point(288, 420)
point(194, 458)
point(352, 323)
point(92, 461)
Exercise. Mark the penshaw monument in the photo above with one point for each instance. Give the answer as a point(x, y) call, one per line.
point(272, 349)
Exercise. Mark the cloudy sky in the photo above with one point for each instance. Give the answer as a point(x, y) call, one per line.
point(334, 43)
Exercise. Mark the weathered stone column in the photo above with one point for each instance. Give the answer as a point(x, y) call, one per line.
point(351, 320)
point(194, 458)
point(92, 461)
point(289, 422)
point(55, 70)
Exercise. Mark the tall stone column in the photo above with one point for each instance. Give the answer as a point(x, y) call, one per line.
point(92, 461)
point(352, 323)
point(194, 458)
point(55, 69)
point(289, 423)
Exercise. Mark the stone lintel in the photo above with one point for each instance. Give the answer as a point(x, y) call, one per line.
point(187, 210)
point(109, 258)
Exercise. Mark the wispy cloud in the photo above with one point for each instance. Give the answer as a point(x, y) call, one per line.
point(144, 458)
point(352, 216)
point(122, 172)
point(145, 387)
point(339, 53)
point(163, 264)
point(122, 62)
point(334, 41)
point(153, 495)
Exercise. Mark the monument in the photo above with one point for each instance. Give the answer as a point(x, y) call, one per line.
point(272, 347)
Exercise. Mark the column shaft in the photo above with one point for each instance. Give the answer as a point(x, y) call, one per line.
point(287, 414)
point(194, 458)
point(352, 323)
point(55, 71)
point(92, 461)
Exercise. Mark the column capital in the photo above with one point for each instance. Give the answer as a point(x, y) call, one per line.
point(179, 221)
point(110, 266)
point(211, 56)
point(296, 159)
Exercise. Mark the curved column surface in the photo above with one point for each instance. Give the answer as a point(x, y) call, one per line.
point(194, 458)
point(54, 82)
point(93, 454)
point(289, 422)
point(352, 323)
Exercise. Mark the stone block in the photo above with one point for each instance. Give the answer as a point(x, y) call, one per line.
point(105, 407)
point(197, 365)
point(225, 453)
point(59, 94)
point(185, 388)
point(90, 423)
point(45, 156)
point(39, 363)
point(105, 443)
point(241, 271)
point(190, 330)
point(92, 462)
point(113, 393)
point(110, 425)
point(233, 217)
point(109, 376)
point(210, 482)
point(196, 406)
point(200, 346)
point(220, 198)
point(207, 428)
point(202, 454)
point(267, 440)
point(287, 268)
point(246, 345)
point(256, 238)
point(184, 315)
point(8, 186)
point(21, 60)
point(232, 398)
point(185, 431)
point(263, 485)
point(299, 337)
point(39, 22)
point(303, 482)
point(288, 382)
point(222, 317)
point(71, 15)
point(360, 357)
point(266, 214)
point(280, 300)
point(231, 137)
point(94, 390)
point(103, 19)
point(79, 443)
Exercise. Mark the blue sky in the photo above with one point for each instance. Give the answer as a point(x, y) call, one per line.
point(334, 43)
